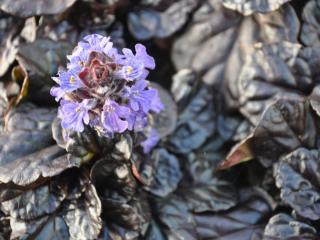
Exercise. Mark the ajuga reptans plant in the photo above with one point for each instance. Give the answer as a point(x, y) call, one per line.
point(107, 90)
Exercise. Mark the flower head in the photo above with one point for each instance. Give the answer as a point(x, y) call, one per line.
point(104, 89)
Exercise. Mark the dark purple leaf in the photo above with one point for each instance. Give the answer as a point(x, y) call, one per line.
point(297, 175)
point(273, 70)
point(283, 226)
point(246, 221)
point(167, 173)
point(178, 222)
point(221, 38)
point(285, 125)
point(25, 8)
point(310, 24)
point(247, 7)
point(148, 23)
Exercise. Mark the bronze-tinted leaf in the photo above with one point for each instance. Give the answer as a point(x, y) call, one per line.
point(286, 125)
point(247, 7)
point(283, 226)
point(145, 24)
point(220, 40)
point(25, 8)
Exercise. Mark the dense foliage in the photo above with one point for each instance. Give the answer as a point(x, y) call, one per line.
point(219, 141)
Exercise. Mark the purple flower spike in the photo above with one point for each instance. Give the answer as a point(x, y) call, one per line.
point(73, 114)
point(106, 90)
point(151, 141)
point(139, 97)
point(113, 116)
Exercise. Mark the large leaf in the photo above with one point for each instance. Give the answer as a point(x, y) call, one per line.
point(41, 59)
point(26, 8)
point(82, 216)
point(246, 221)
point(196, 122)
point(167, 173)
point(247, 7)
point(27, 131)
point(202, 188)
point(213, 195)
point(35, 203)
point(310, 24)
point(66, 209)
point(10, 39)
point(148, 23)
point(274, 70)
point(45, 163)
point(221, 39)
point(286, 125)
point(297, 176)
point(283, 226)
point(178, 222)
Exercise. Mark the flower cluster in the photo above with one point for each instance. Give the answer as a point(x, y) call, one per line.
point(106, 89)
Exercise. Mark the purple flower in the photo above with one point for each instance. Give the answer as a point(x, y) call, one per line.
point(106, 90)
point(151, 141)
point(73, 114)
point(137, 121)
point(77, 59)
point(156, 104)
point(57, 92)
point(113, 117)
point(139, 97)
point(69, 81)
point(135, 65)
point(96, 43)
